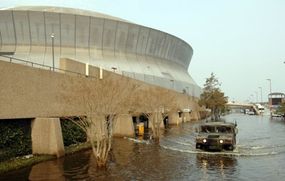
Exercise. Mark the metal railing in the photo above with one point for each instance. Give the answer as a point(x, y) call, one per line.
point(42, 66)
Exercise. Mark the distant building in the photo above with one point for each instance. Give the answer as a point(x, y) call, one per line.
point(275, 99)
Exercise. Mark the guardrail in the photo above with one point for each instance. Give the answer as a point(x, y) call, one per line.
point(42, 66)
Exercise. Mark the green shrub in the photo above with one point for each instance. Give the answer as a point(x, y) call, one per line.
point(15, 139)
point(71, 133)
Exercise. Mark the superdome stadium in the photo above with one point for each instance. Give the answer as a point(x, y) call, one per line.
point(45, 34)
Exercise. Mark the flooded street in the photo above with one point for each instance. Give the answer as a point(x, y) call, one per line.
point(259, 155)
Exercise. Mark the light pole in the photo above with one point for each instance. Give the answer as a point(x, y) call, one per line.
point(260, 94)
point(269, 102)
point(256, 94)
point(52, 49)
point(251, 95)
point(114, 69)
point(172, 83)
point(269, 85)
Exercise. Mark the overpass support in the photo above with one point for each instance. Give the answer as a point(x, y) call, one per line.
point(47, 137)
point(185, 117)
point(124, 126)
point(174, 118)
point(161, 126)
point(194, 116)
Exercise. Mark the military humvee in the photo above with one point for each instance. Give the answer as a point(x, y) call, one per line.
point(216, 136)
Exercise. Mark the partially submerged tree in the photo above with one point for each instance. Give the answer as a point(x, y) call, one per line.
point(212, 97)
point(155, 103)
point(103, 100)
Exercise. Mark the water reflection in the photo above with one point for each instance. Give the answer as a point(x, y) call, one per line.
point(50, 170)
point(206, 161)
point(77, 163)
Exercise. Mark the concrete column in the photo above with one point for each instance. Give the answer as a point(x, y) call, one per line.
point(174, 118)
point(124, 126)
point(185, 116)
point(47, 137)
point(194, 116)
point(161, 125)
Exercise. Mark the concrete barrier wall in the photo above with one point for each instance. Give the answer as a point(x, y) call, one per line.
point(28, 92)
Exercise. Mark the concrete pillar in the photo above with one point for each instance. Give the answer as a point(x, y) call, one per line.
point(194, 116)
point(161, 125)
point(47, 137)
point(185, 116)
point(124, 126)
point(174, 118)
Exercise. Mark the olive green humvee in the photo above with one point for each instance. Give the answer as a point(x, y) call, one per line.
point(216, 136)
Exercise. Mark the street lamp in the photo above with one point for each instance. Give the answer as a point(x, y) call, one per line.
point(260, 94)
point(269, 102)
point(256, 94)
point(172, 83)
point(114, 69)
point(269, 85)
point(251, 95)
point(52, 45)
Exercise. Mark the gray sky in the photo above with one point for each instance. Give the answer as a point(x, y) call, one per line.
point(241, 41)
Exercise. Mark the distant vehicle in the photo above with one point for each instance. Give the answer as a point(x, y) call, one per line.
point(276, 115)
point(260, 108)
point(216, 136)
point(251, 113)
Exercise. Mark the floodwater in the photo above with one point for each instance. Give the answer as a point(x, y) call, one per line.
point(259, 155)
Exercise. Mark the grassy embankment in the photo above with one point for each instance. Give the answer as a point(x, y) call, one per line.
point(30, 160)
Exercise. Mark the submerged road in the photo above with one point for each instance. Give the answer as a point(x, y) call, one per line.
point(260, 155)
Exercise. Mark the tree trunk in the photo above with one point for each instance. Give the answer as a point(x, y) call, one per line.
point(101, 133)
point(156, 120)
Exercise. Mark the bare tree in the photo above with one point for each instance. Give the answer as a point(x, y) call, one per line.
point(103, 100)
point(155, 103)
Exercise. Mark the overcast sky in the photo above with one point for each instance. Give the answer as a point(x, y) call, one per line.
point(241, 41)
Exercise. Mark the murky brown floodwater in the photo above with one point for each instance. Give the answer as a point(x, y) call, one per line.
point(260, 155)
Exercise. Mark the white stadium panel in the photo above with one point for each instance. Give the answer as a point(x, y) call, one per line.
point(37, 34)
point(67, 36)
point(22, 29)
point(132, 39)
point(121, 38)
point(8, 39)
point(109, 36)
point(82, 30)
point(142, 40)
point(96, 38)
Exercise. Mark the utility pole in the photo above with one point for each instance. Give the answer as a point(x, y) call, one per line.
point(269, 85)
point(269, 102)
point(52, 46)
point(260, 94)
point(256, 94)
